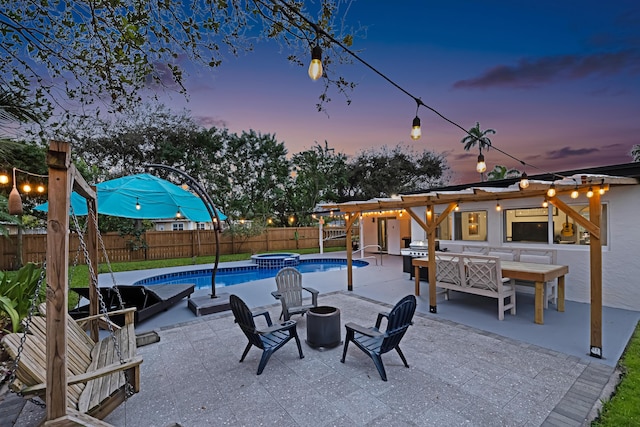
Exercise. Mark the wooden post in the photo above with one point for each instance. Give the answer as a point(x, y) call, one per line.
point(431, 242)
point(349, 256)
point(58, 159)
point(595, 245)
point(349, 223)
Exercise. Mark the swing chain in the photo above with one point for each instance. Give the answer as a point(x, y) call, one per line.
point(76, 259)
point(26, 325)
point(128, 388)
point(106, 257)
point(93, 277)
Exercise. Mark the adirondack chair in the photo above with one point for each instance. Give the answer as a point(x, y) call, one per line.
point(289, 282)
point(97, 383)
point(376, 343)
point(269, 339)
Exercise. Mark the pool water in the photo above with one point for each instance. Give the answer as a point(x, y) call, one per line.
point(229, 276)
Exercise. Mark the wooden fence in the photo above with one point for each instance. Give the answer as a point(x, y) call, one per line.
point(167, 244)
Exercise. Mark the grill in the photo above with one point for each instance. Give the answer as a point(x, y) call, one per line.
point(420, 248)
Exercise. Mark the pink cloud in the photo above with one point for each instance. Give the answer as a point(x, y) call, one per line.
point(533, 72)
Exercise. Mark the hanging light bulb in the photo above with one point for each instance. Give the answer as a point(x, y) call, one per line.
point(4, 178)
point(457, 208)
point(40, 188)
point(590, 193)
point(551, 191)
point(315, 68)
point(574, 193)
point(138, 207)
point(481, 166)
point(602, 188)
point(545, 204)
point(498, 207)
point(524, 181)
point(26, 188)
point(178, 214)
point(416, 131)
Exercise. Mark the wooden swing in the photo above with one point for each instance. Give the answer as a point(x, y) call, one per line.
point(81, 377)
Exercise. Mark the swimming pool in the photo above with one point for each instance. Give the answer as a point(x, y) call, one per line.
point(228, 276)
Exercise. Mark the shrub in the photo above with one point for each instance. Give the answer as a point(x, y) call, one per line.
point(16, 293)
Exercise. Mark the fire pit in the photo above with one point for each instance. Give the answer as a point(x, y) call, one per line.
point(323, 327)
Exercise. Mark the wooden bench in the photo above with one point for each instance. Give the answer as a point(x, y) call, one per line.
point(536, 256)
point(475, 274)
point(97, 377)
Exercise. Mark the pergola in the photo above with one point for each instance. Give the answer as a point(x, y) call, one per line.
point(536, 189)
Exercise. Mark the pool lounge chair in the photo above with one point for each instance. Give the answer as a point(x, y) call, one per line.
point(148, 300)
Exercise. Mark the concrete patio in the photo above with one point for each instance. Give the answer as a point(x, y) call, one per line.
point(467, 368)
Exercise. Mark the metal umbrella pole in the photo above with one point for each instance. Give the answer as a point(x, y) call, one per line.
point(213, 213)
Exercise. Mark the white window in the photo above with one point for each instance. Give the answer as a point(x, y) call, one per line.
point(470, 226)
point(177, 226)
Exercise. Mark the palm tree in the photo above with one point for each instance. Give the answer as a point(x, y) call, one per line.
point(635, 153)
point(476, 136)
point(501, 172)
point(14, 108)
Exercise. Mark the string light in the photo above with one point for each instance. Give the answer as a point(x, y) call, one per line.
point(590, 192)
point(545, 204)
point(602, 188)
point(178, 214)
point(315, 68)
point(481, 166)
point(574, 193)
point(138, 207)
point(524, 181)
point(288, 10)
point(551, 192)
point(498, 207)
point(15, 200)
point(457, 208)
point(416, 131)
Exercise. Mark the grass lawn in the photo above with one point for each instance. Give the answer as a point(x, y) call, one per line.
point(624, 407)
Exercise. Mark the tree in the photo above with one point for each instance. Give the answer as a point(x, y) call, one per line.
point(476, 136)
point(320, 176)
point(501, 172)
point(13, 111)
point(635, 153)
point(123, 144)
point(110, 53)
point(385, 172)
point(257, 169)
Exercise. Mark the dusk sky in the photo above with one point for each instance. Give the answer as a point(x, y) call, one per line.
point(559, 81)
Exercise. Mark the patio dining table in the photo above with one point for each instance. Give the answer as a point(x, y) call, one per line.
point(529, 271)
point(539, 274)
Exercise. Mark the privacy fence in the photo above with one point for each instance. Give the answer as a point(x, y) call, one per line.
point(172, 244)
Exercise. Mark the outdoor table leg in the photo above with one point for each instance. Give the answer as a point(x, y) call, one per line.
point(561, 293)
point(417, 277)
point(539, 316)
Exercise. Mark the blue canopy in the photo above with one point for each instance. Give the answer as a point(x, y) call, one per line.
point(155, 197)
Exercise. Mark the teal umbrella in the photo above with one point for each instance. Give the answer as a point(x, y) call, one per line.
point(143, 196)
